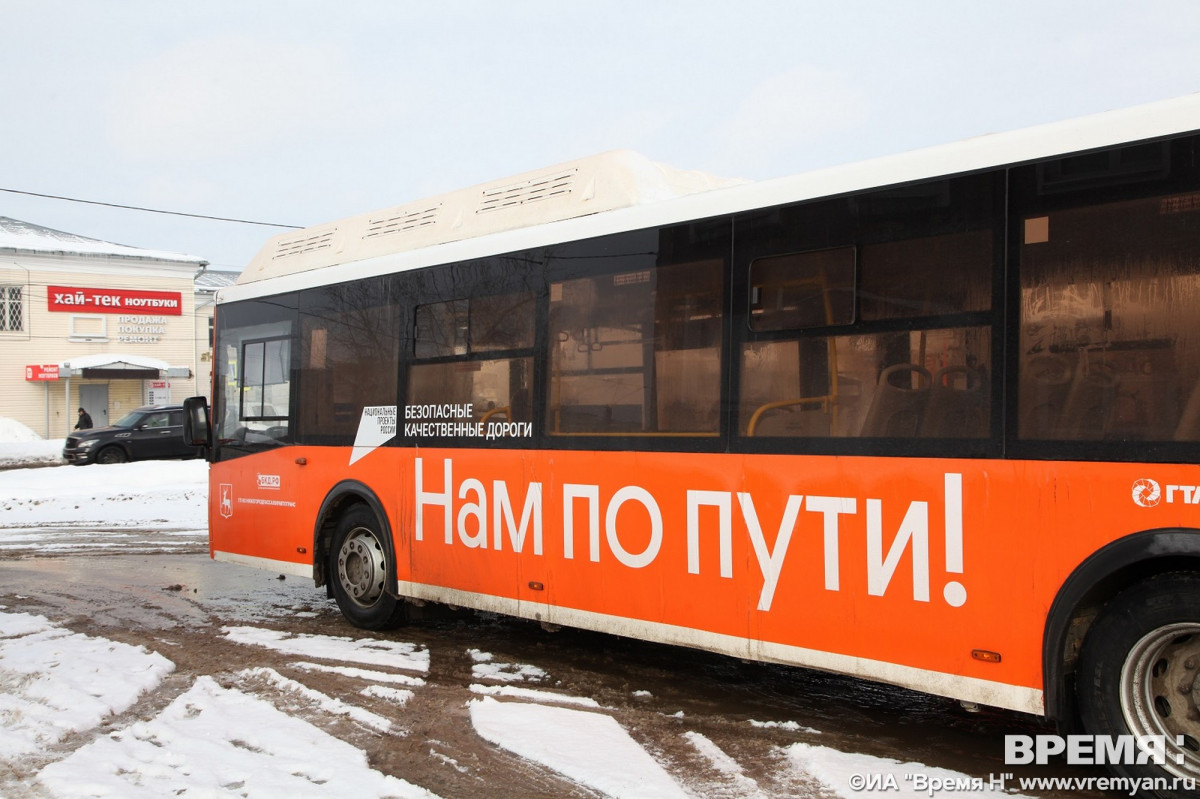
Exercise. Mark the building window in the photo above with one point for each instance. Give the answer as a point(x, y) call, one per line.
point(12, 316)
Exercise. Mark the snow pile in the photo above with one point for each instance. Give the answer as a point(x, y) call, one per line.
point(125, 495)
point(20, 446)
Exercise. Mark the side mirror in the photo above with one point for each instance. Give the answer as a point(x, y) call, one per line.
point(196, 430)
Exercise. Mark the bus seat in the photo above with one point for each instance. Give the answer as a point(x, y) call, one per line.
point(1045, 381)
point(958, 404)
point(897, 405)
point(1188, 428)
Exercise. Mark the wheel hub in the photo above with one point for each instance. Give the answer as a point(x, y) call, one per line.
point(1160, 691)
point(362, 569)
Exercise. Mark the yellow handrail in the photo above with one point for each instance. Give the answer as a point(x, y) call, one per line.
point(506, 410)
point(826, 402)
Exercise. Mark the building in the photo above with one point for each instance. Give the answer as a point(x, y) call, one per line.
point(102, 326)
point(208, 283)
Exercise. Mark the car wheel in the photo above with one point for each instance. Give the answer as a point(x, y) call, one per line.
point(1139, 673)
point(359, 570)
point(111, 455)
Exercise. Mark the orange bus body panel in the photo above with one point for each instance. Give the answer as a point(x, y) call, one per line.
point(885, 559)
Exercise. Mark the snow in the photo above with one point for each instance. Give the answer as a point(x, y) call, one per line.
point(20, 446)
point(836, 770)
point(364, 650)
point(106, 359)
point(56, 682)
point(591, 748)
point(110, 495)
point(485, 669)
point(242, 733)
point(215, 741)
point(18, 235)
point(746, 787)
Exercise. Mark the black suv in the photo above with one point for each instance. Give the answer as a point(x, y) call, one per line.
point(145, 434)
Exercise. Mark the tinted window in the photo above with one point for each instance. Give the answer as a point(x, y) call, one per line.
point(638, 352)
point(802, 290)
point(1109, 348)
point(474, 354)
point(908, 273)
point(254, 375)
point(349, 353)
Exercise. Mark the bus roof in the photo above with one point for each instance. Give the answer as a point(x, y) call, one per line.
point(617, 179)
point(623, 191)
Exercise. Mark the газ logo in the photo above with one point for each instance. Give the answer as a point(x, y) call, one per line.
point(1146, 493)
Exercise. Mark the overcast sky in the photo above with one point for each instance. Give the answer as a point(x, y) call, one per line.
point(303, 111)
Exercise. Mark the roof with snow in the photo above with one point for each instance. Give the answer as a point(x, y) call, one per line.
point(212, 280)
point(101, 363)
point(19, 236)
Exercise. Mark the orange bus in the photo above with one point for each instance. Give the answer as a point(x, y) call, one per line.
point(931, 420)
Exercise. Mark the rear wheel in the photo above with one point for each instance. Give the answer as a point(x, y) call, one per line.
point(359, 570)
point(111, 455)
point(1139, 672)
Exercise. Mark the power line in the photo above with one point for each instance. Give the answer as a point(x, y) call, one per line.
point(149, 210)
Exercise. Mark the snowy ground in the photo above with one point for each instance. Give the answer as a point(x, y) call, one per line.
point(240, 733)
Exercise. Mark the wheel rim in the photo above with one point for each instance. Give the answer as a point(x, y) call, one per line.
point(362, 569)
point(111, 455)
point(1160, 693)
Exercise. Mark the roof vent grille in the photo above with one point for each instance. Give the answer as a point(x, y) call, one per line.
point(528, 191)
point(302, 244)
point(401, 222)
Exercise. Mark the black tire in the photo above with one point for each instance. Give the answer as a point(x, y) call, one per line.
point(359, 571)
point(1139, 674)
point(111, 454)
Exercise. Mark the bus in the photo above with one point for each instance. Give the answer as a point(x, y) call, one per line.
point(931, 420)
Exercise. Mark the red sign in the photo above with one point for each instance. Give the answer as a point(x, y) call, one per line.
point(42, 371)
point(159, 303)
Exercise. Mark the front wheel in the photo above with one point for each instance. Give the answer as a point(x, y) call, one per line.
point(1139, 673)
point(359, 570)
point(112, 455)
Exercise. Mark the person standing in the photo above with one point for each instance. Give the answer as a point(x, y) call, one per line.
point(85, 420)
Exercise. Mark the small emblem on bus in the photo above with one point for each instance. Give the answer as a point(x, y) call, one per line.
point(1146, 493)
point(226, 500)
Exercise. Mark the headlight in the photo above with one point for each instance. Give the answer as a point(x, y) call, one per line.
point(91, 442)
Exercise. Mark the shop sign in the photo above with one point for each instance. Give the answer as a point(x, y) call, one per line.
point(42, 371)
point(97, 300)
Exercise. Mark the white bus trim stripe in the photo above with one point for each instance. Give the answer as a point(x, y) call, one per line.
point(966, 689)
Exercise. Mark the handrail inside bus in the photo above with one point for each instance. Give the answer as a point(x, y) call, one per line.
point(506, 410)
point(828, 402)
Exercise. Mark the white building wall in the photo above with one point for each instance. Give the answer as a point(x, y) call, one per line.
point(56, 336)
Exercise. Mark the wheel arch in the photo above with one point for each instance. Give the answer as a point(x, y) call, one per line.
point(341, 497)
point(1105, 573)
point(121, 445)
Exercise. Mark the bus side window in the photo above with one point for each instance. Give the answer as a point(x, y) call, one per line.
point(349, 351)
point(476, 352)
point(637, 353)
point(928, 379)
point(1108, 321)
